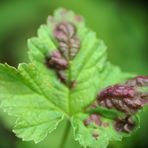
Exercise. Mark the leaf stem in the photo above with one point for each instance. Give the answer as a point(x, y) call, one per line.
point(65, 135)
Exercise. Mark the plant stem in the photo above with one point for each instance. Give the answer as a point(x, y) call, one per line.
point(65, 135)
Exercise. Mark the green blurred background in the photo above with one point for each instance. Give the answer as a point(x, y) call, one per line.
point(122, 24)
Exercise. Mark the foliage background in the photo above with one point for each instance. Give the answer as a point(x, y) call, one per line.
point(122, 24)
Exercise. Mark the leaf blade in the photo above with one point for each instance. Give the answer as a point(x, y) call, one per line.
point(28, 107)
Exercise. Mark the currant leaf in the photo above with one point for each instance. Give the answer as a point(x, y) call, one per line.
point(68, 68)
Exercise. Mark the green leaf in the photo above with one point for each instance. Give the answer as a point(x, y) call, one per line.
point(35, 95)
point(36, 115)
point(105, 132)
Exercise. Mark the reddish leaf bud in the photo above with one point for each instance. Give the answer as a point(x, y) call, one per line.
point(69, 44)
point(138, 81)
point(124, 125)
point(56, 61)
point(127, 97)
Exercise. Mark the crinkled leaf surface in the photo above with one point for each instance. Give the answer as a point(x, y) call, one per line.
point(85, 137)
point(85, 68)
point(34, 94)
point(105, 132)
